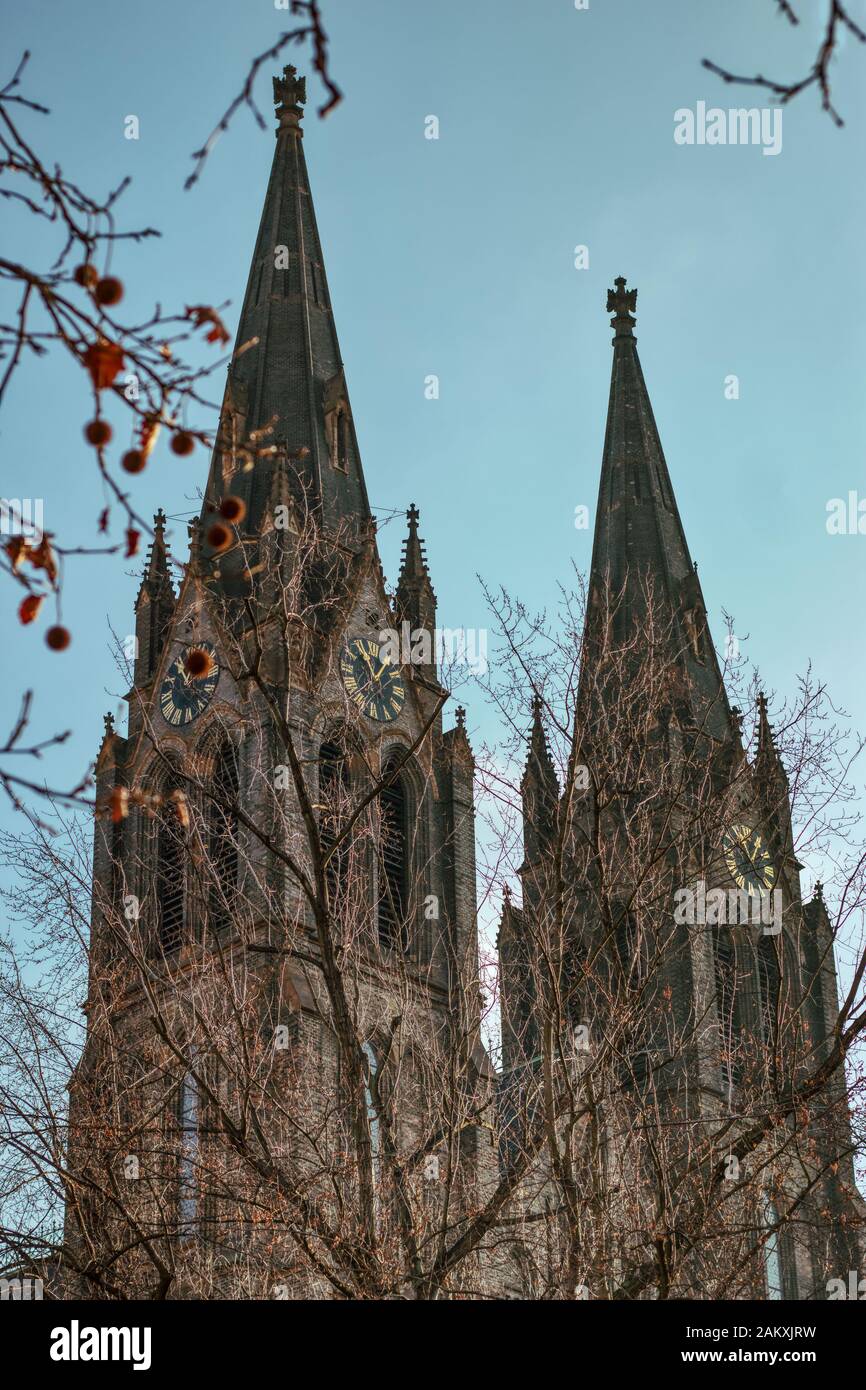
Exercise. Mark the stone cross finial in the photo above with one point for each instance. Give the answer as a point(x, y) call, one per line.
point(108, 721)
point(460, 716)
point(413, 515)
point(622, 304)
point(290, 94)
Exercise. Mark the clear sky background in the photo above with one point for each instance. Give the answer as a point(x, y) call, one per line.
point(455, 257)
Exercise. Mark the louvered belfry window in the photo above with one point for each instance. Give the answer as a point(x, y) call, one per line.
point(728, 1007)
point(393, 877)
point(223, 837)
point(768, 976)
point(169, 877)
point(333, 789)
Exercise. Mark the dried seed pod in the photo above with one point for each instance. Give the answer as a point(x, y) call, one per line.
point(234, 509)
point(97, 433)
point(58, 638)
point(219, 537)
point(108, 291)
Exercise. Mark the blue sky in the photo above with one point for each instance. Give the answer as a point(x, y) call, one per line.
point(455, 257)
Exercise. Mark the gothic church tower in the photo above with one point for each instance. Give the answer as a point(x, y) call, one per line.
point(705, 1017)
point(230, 961)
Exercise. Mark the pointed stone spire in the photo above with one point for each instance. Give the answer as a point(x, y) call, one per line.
point(286, 385)
point(416, 601)
point(766, 750)
point(539, 787)
point(639, 543)
point(771, 784)
point(154, 605)
point(107, 741)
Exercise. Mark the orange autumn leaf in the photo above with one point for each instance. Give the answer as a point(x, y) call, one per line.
point(132, 539)
point(119, 804)
point(16, 549)
point(181, 810)
point(202, 314)
point(148, 434)
point(103, 360)
point(42, 557)
point(30, 608)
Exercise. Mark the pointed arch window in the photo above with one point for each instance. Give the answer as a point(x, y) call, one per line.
point(222, 822)
point(372, 1112)
point(189, 1108)
point(632, 949)
point(393, 864)
point(333, 795)
point(772, 1253)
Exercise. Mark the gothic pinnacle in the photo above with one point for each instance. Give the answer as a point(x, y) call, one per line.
point(290, 95)
point(413, 570)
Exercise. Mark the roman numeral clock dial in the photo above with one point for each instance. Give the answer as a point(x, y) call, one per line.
point(373, 685)
point(189, 684)
point(748, 859)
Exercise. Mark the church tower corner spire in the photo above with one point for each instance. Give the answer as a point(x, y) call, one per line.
point(154, 605)
point(539, 787)
point(415, 598)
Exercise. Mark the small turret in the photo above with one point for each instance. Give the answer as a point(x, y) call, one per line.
point(416, 601)
point(771, 782)
point(154, 605)
point(539, 789)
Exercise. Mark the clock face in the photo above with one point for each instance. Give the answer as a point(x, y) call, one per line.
point(371, 682)
point(748, 859)
point(183, 697)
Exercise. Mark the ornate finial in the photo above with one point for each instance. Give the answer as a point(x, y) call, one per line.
point(290, 94)
point(108, 721)
point(194, 530)
point(537, 705)
point(159, 521)
point(506, 894)
point(622, 304)
point(413, 516)
point(737, 718)
point(818, 891)
point(762, 702)
point(460, 716)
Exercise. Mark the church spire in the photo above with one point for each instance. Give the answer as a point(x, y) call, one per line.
point(154, 604)
point(416, 601)
point(286, 392)
point(771, 783)
point(639, 546)
point(539, 787)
